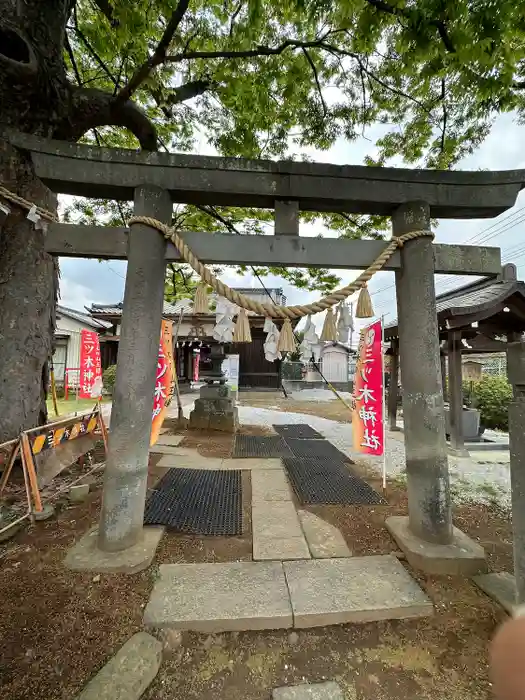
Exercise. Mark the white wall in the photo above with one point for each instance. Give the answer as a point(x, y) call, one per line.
point(71, 328)
point(335, 364)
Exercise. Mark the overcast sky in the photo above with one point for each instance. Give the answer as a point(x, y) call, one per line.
point(84, 282)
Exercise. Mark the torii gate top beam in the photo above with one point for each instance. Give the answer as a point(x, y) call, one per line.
point(115, 173)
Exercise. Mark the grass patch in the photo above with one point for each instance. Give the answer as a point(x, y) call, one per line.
point(70, 406)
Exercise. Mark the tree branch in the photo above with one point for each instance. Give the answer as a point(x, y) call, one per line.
point(316, 78)
point(91, 108)
point(440, 25)
point(95, 55)
point(107, 10)
point(158, 56)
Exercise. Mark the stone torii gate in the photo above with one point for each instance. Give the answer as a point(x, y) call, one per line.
point(155, 181)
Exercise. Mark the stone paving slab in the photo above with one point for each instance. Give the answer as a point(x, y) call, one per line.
point(324, 540)
point(84, 555)
point(189, 461)
point(127, 675)
point(272, 549)
point(315, 691)
point(220, 597)
point(252, 463)
point(358, 589)
point(275, 520)
point(501, 587)
point(172, 440)
point(165, 449)
point(270, 485)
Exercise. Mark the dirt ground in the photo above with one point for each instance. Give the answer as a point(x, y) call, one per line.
point(59, 627)
point(333, 410)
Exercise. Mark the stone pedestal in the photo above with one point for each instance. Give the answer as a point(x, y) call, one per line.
point(215, 409)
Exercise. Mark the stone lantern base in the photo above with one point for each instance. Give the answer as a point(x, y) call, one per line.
point(215, 409)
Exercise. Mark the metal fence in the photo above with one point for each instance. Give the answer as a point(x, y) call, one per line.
point(493, 365)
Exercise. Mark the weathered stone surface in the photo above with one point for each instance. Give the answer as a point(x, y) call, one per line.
point(189, 461)
point(324, 540)
point(314, 691)
point(429, 504)
point(69, 168)
point(170, 639)
point(277, 549)
point(220, 597)
point(127, 675)
point(462, 557)
point(78, 493)
point(160, 448)
point(199, 422)
point(357, 589)
point(253, 464)
point(501, 587)
point(215, 392)
point(126, 475)
point(172, 440)
point(275, 520)
point(270, 485)
point(224, 423)
point(48, 511)
point(214, 410)
point(85, 555)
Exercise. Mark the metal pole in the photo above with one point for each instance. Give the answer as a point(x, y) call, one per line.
point(383, 395)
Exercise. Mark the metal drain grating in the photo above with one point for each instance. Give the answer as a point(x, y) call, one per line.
point(270, 447)
point(197, 501)
point(321, 482)
point(300, 431)
point(316, 448)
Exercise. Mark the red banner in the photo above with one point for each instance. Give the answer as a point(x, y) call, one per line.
point(164, 382)
point(90, 366)
point(367, 416)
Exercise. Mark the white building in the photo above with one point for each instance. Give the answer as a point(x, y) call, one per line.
point(67, 341)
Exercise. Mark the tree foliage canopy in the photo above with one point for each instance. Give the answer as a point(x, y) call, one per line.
point(266, 79)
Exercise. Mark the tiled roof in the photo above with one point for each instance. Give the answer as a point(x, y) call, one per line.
point(185, 305)
point(116, 309)
point(473, 298)
point(81, 317)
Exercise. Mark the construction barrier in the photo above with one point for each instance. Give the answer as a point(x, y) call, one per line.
point(33, 444)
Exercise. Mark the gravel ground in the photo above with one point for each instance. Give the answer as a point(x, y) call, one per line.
point(482, 478)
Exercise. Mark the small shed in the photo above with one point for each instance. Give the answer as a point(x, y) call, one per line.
point(335, 362)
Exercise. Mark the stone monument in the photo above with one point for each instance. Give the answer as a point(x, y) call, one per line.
point(215, 408)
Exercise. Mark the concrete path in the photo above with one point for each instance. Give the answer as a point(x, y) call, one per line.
point(186, 458)
point(276, 530)
point(127, 675)
point(324, 540)
point(271, 595)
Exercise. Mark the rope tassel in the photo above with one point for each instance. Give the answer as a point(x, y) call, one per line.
point(286, 338)
point(329, 331)
point(364, 307)
point(200, 302)
point(242, 332)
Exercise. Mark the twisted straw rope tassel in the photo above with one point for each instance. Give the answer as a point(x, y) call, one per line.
point(273, 310)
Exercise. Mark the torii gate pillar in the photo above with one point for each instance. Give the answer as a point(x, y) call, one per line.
point(121, 521)
point(427, 536)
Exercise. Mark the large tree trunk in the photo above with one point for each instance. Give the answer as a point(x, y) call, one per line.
point(34, 96)
point(28, 290)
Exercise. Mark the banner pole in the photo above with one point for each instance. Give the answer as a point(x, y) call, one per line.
point(384, 397)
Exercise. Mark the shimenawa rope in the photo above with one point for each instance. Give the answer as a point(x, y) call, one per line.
point(270, 310)
point(273, 310)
